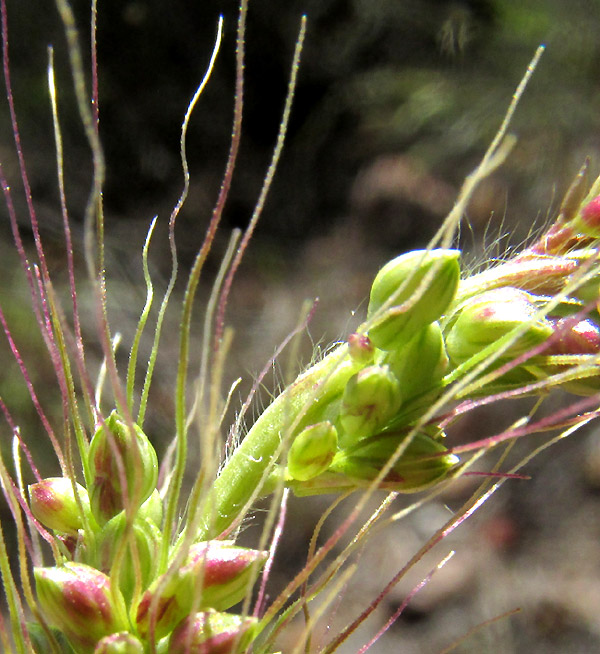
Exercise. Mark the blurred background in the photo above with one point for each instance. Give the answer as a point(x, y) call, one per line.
point(396, 103)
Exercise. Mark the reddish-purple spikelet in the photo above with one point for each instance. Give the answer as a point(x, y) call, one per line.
point(78, 600)
point(471, 404)
point(87, 597)
point(215, 575)
point(55, 504)
point(209, 633)
point(86, 600)
point(557, 240)
point(44, 495)
point(582, 337)
point(165, 609)
point(360, 347)
point(590, 214)
point(393, 477)
point(221, 562)
point(108, 484)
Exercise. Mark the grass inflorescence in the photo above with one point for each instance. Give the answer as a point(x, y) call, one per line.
point(135, 553)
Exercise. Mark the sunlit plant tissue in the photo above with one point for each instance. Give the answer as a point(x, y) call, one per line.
point(116, 555)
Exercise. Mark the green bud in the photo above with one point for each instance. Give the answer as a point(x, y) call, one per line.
point(121, 643)
point(421, 363)
point(419, 367)
point(398, 281)
point(214, 575)
point(147, 538)
point(425, 461)
point(115, 440)
point(211, 633)
point(371, 398)
point(53, 503)
point(489, 316)
point(312, 451)
point(78, 600)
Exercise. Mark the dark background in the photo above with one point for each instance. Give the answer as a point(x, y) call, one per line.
point(396, 102)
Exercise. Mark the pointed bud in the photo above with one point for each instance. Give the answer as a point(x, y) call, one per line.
point(371, 398)
point(121, 643)
point(78, 600)
point(215, 575)
point(399, 281)
point(360, 348)
point(587, 220)
point(112, 441)
point(425, 461)
point(312, 451)
point(489, 316)
point(211, 633)
point(142, 554)
point(54, 504)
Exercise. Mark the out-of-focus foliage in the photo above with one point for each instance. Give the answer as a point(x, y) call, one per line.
point(396, 100)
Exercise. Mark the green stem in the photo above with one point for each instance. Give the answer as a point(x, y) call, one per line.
point(243, 478)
